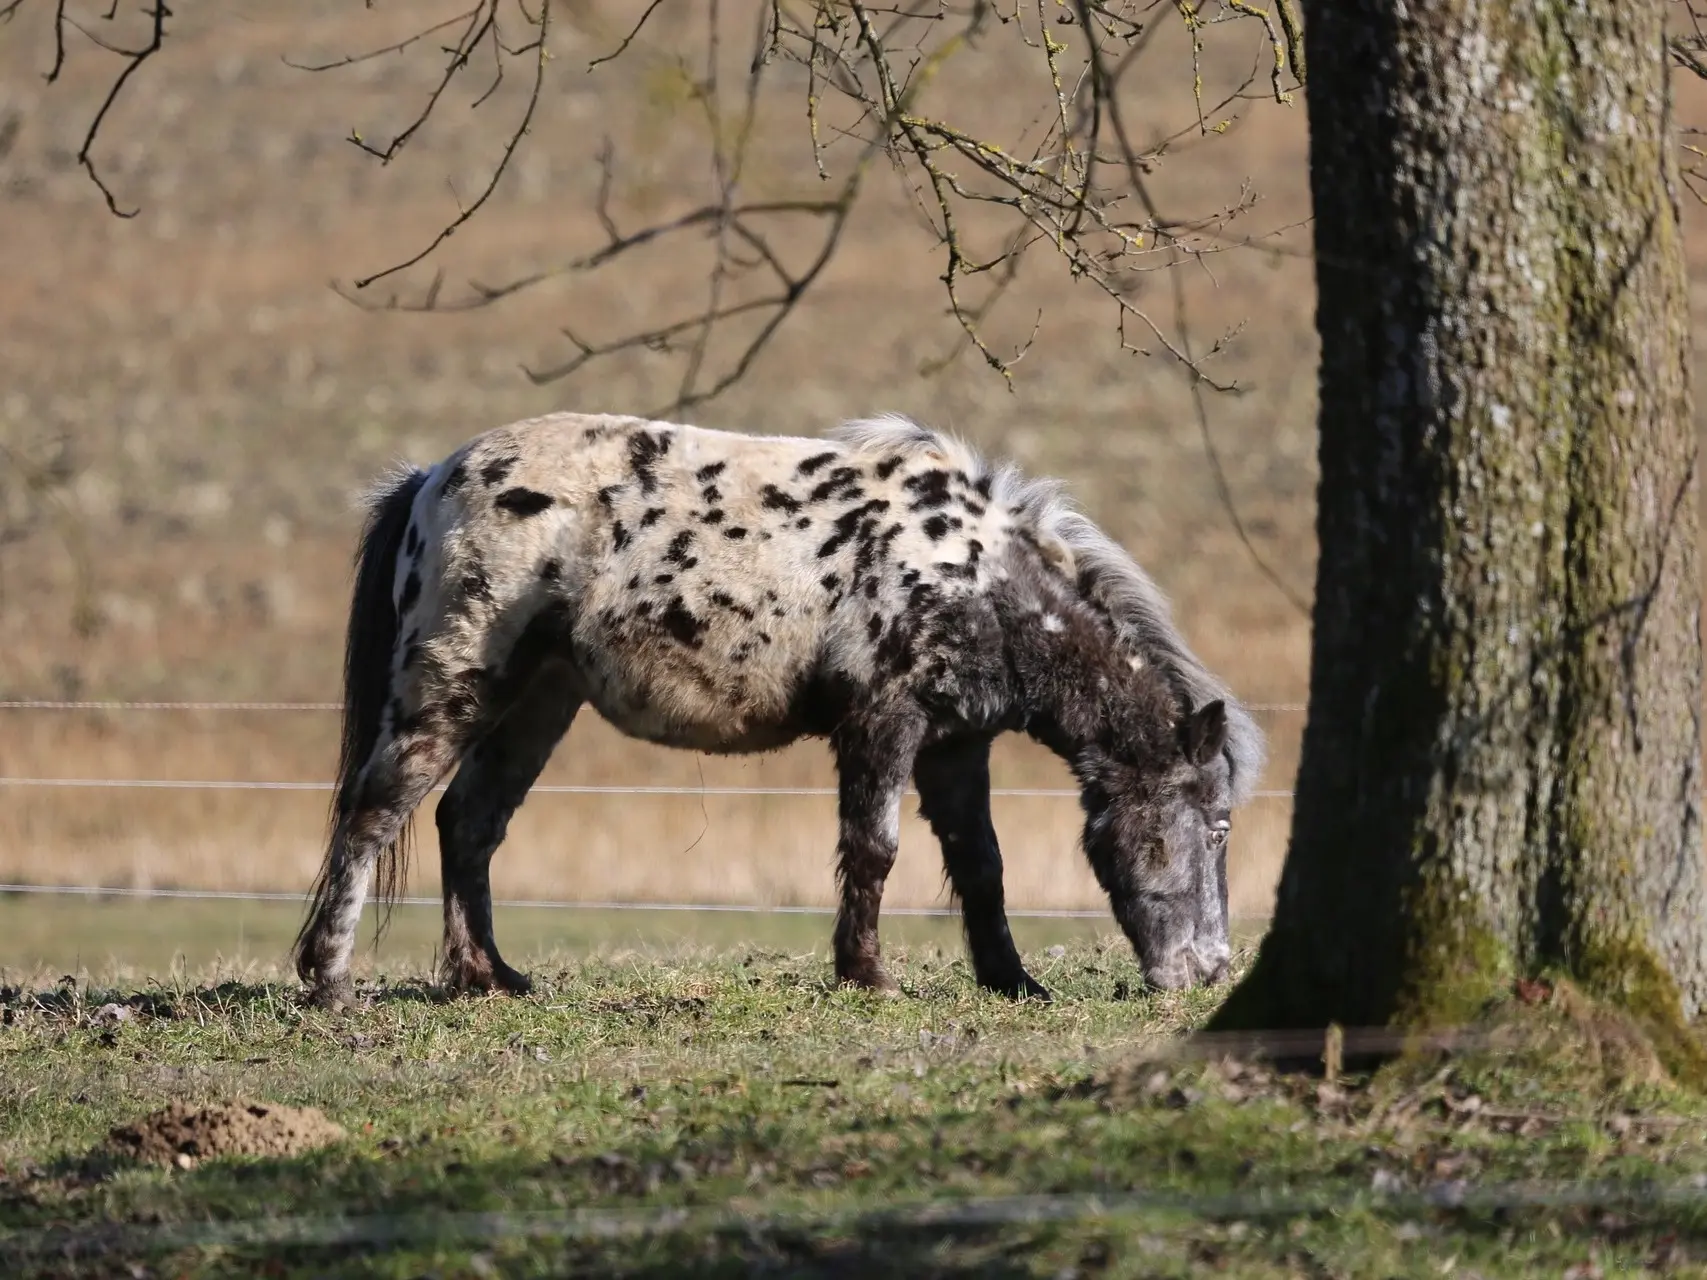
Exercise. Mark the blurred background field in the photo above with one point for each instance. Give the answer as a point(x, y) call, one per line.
point(212, 409)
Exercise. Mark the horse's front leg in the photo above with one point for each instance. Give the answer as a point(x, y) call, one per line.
point(874, 757)
point(954, 797)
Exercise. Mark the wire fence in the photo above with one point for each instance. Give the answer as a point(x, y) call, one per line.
point(256, 784)
point(548, 904)
point(260, 784)
point(39, 704)
point(293, 785)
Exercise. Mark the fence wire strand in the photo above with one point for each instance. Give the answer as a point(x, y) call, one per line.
point(44, 704)
point(636, 789)
point(274, 785)
point(551, 904)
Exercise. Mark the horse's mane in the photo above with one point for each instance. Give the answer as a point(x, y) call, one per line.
point(1102, 570)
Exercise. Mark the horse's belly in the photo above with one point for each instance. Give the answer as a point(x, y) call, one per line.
point(683, 704)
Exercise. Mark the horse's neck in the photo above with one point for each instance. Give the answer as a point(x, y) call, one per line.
point(1070, 690)
point(1084, 692)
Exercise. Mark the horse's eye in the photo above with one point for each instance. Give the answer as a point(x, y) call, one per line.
point(1219, 831)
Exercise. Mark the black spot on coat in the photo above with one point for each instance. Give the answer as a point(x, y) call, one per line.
point(816, 462)
point(678, 552)
point(680, 622)
point(775, 499)
point(849, 523)
point(723, 600)
point(522, 502)
point(493, 472)
point(644, 450)
point(843, 482)
point(929, 489)
point(476, 585)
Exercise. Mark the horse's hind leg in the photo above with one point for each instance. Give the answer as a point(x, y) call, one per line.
point(954, 797)
point(873, 759)
point(490, 786)
point(406, 763)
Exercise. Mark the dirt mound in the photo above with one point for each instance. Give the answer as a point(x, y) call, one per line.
point(182, 1134)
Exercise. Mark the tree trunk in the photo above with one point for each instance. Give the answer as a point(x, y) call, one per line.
point(1500, 773)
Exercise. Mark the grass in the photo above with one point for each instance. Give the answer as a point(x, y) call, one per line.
point(800, 1129)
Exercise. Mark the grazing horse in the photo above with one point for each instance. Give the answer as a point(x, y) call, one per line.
point(884, 587)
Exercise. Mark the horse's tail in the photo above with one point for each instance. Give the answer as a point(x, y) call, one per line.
point(369, 642)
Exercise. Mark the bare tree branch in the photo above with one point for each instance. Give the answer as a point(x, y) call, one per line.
point(399, 46)
point(1076, 186)
point(629, 38)
point(1072, 186)
point(482, 26)
point(157, 14)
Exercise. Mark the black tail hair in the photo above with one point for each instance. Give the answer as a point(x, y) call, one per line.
point(369, 642)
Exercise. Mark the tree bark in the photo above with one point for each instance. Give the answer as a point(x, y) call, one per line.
point(1501, 769)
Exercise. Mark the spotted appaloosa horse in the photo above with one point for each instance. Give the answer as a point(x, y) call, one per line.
point(883, 587)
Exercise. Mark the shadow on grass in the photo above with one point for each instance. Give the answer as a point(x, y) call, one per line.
point(506, 1215)
point(995, 1252)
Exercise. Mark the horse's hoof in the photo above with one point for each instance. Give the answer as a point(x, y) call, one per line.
point(1020, 987)
point(331, 996)
point(480, 978)
point(877, 983)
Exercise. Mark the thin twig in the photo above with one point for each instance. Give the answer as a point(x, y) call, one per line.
point(627, 39)
point(540, 49)
point(158, 13)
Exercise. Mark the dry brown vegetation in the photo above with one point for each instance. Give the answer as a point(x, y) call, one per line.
point(222, 406)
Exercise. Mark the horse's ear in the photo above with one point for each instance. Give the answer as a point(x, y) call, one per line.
point(1205, 732)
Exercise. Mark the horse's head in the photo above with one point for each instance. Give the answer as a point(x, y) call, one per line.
point(1156, 832)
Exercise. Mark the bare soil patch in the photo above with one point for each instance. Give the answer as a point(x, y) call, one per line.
point(184, 1134)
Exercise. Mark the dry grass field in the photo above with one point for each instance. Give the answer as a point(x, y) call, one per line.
point(219, 407)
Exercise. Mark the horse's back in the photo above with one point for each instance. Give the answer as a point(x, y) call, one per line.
point(718, 583)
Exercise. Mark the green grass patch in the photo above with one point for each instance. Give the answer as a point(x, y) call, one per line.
point(726, 1111)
